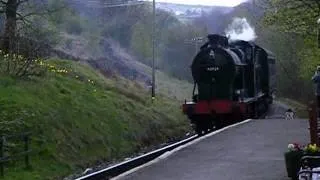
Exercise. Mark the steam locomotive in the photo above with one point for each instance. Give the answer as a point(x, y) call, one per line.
point(234, 81)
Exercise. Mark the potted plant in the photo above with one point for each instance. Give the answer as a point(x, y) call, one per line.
point(295, 153)
point(311, 156)
point(292, 160)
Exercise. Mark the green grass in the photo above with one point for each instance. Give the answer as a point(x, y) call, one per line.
point(81, 117)
point(169, 86)
point(174, 88)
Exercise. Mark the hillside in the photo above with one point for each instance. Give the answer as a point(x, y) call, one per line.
point(190, 12)
point(79, 118)
point(112, 59)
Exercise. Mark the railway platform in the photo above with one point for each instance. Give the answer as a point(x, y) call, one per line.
point(250, 151)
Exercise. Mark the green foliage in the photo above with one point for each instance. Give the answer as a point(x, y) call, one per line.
point(282, 32)
point(13, 117)
point(293, 16)
point(176, 54)
point(297, 20)
point(18, 66)
point(61, 12)
point(310, 55)
point(82, 118)
point(173, 55)
point(141, 41)
point(132, 27)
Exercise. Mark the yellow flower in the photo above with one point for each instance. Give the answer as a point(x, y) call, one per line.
point(312, 148)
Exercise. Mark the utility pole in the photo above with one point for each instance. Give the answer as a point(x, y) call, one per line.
point(153, 50)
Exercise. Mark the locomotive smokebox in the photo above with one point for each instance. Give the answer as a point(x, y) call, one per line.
point(218, 40)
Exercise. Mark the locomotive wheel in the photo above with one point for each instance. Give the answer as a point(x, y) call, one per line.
point(218, 123)
point(237, 116)
point(198, 130)
point(210, 126)
point(199, 127)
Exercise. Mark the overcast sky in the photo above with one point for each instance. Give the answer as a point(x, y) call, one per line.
point(229, 3)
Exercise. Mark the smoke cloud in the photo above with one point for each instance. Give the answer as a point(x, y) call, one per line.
point(240, 29)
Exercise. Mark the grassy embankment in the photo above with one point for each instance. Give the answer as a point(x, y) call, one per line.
point(78, 118)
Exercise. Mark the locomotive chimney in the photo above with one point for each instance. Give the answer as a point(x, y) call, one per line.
point(218, 40)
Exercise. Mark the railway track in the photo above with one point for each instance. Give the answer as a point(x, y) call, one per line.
point(125, 166)
point(122, 167)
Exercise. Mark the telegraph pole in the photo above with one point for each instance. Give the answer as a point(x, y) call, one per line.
point(153, 50)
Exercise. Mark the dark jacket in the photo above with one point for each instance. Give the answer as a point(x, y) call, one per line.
point(316, 80)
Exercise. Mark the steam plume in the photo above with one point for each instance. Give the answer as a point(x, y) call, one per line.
point(240, 29)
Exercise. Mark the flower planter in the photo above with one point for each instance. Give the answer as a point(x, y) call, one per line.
point(312, 162)
point(293, 163)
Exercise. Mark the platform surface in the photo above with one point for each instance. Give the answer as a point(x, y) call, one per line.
point(251, 151)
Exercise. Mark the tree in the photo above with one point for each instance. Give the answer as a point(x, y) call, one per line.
point(20, 10)
point(10, 9)
point(296, 20)
point(294, 16)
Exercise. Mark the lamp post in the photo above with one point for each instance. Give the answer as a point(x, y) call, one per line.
point(153, 50)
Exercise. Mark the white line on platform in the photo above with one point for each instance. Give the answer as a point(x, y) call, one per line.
point(169, 153)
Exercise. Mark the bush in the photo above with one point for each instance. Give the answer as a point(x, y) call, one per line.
point(19, 66)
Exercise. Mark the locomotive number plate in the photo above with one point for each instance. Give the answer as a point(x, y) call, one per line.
point(213, 68)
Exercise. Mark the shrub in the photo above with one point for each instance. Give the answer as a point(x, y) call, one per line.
point(19, 66)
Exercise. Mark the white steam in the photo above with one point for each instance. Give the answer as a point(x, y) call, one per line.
point(240, 29)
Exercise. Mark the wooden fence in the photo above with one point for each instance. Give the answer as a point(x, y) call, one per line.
point(24, 140)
